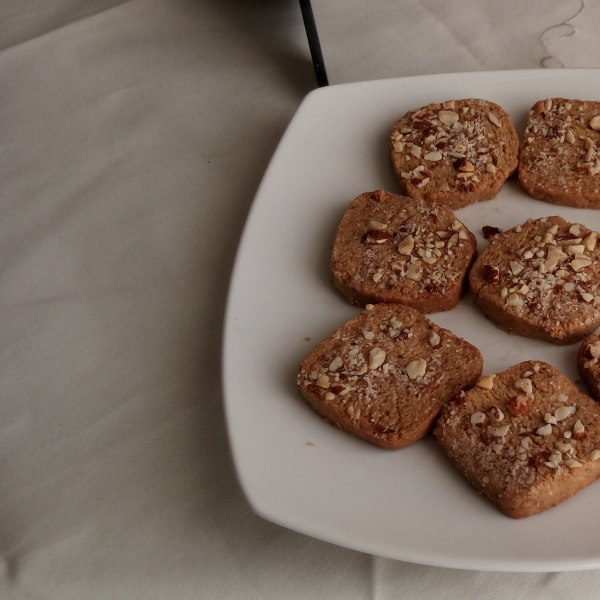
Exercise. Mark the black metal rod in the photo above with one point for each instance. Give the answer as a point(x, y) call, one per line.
point(313, 42)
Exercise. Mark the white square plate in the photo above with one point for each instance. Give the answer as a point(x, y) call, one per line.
point(298, 471)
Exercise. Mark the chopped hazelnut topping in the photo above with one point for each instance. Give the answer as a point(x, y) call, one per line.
point(336, 363)
point(492, 274)
point(555, 457)
point(525, 385)
point(592, 350)
point(580, 263)
point(414, 271)
point(514, 300)
point(447, 117)
point(590, 241)
point(563, 412)
point(394, 322)
point(433, 156)
point(516, 267)
point(407, 245)
point(416, 368)
point(494, 119)
point(545, 430)
point(595, 123)
point(588, 157)
point(464, 165)
point(519, 405)
point(376, 225)
point(499, 431)
point(486, 382)
point(563, 447)
point(376, 358)
point(477, 417)
point(578, 430)
point(323, 381)
point(496, 415)
point(398, 146)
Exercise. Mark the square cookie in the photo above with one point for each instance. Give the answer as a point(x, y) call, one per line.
point(454, 153)
point(560, 159)
point(540, 280)
point(390, 248)
point(385, 374)
point(526, 438)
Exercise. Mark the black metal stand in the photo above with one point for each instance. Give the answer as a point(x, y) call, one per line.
point(313, 43)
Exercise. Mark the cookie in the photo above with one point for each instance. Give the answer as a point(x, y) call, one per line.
point(541, 280)
point(588, 364)
point(390, 248)
point(385, 374)
point(454, 153)
point(526, 438)
point(560, 157)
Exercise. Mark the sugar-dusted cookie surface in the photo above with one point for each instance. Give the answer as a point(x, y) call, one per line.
point(390, 248)
point(384, 375)
point(588, 364)
point(541, 280)
point(526, 438)
point(454, 153)
point(560, 156)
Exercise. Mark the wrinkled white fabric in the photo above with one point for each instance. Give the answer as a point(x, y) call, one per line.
point(416, 37)
point(133, 136)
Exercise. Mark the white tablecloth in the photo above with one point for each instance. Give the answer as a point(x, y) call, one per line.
point(133, 135)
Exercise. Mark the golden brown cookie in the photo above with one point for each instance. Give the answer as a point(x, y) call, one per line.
point(391, 248)
point(454, 153)
point(560, 157)
point(540, 280)
point(526, 438)
point(384, 375)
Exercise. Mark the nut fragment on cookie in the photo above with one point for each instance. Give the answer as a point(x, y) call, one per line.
point(387, 389)
point(560, 159)
point(540, 280)
point(487, 382)
point(456, 156)
point(524, 462)
point(390, 248)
